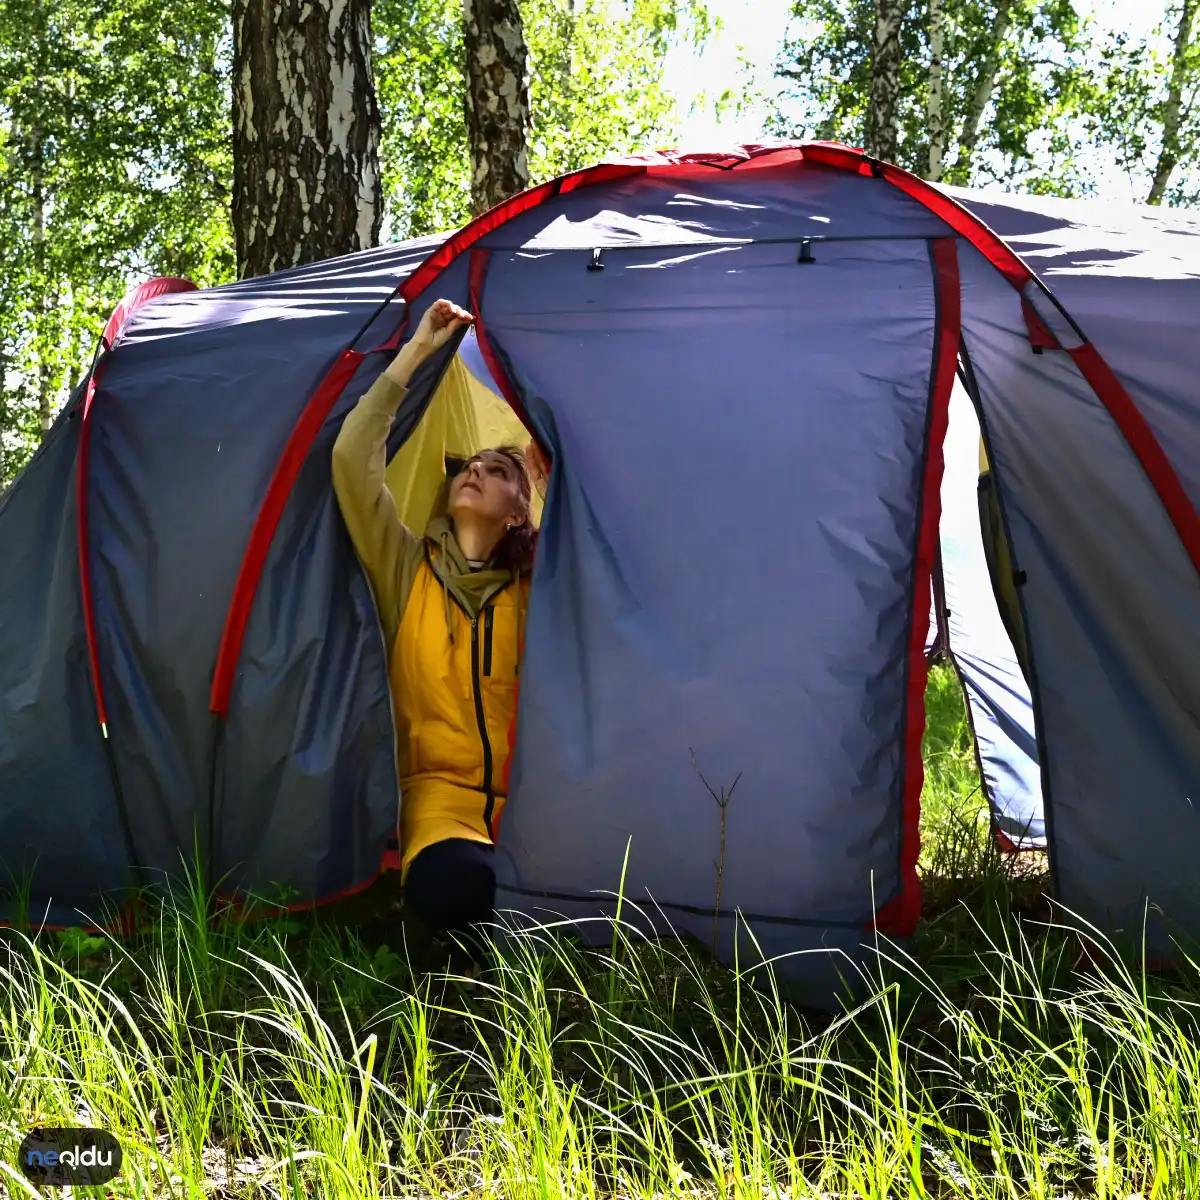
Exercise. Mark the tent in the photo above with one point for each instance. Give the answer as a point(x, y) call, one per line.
point(744, 366)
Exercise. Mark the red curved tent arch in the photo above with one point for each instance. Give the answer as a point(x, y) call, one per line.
point(899, 916)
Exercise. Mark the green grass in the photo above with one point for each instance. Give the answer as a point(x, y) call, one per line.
point(961, 861)
point(295, 1058)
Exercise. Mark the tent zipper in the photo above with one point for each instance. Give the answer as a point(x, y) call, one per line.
point(490, 805)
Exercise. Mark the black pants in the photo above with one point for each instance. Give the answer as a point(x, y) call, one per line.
point(451, 885)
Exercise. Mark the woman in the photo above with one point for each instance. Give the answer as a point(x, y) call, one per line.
point(452, 605)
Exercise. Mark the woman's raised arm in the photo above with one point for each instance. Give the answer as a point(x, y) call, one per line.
point(389, 551)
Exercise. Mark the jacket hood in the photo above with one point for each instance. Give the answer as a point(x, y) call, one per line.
point(472, 589)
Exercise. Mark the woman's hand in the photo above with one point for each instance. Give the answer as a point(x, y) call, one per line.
point(538, 468)
point(442, 320)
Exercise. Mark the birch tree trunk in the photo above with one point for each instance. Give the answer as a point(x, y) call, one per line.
point(306, 182)
point(4, 419)
point(497, 101)
point(1168, 158)
point(882, 135)
point(985, 85)
point(45, 369)
point(936, 101)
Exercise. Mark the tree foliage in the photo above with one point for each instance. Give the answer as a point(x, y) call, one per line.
point(611, 49)
point(1143, 105)
point(116, 161)
point(596, 87)
point(1010, 80)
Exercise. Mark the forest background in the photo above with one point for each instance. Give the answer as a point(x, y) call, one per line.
point(222, 138)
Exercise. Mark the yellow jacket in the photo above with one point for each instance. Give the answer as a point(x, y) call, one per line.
point(453, 638)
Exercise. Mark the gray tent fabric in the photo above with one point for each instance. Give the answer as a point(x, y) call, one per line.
point(760, 627)
point(733, 363)
point(195, 405)
point(684, 206)
point(1128, 274)
point(63, 840)
point(1109, 600)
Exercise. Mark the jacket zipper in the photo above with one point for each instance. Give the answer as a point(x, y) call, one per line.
point(490, 805)
point(487, 639)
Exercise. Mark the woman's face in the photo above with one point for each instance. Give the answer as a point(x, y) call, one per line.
point(488, 489)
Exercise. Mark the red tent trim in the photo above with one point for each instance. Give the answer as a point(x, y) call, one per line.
point(900, 915)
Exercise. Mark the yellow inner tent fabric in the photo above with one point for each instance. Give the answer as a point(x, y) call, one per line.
point(464, 417)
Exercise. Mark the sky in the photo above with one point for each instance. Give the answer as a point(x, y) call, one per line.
point(754, 29)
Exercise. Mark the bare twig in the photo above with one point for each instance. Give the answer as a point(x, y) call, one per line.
point(722, 799)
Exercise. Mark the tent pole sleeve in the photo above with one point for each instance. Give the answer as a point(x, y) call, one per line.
point(486, 222)
point(81, 533)
point(899, 916)
point(303, 435)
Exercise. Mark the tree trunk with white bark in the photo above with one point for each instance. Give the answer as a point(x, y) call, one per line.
point(497, 100)
point(985, 85)
point(882, 134)
point(4, 419)
point(1168, 158)
point(936, 99)
point(45, 304)
point(306, 182)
